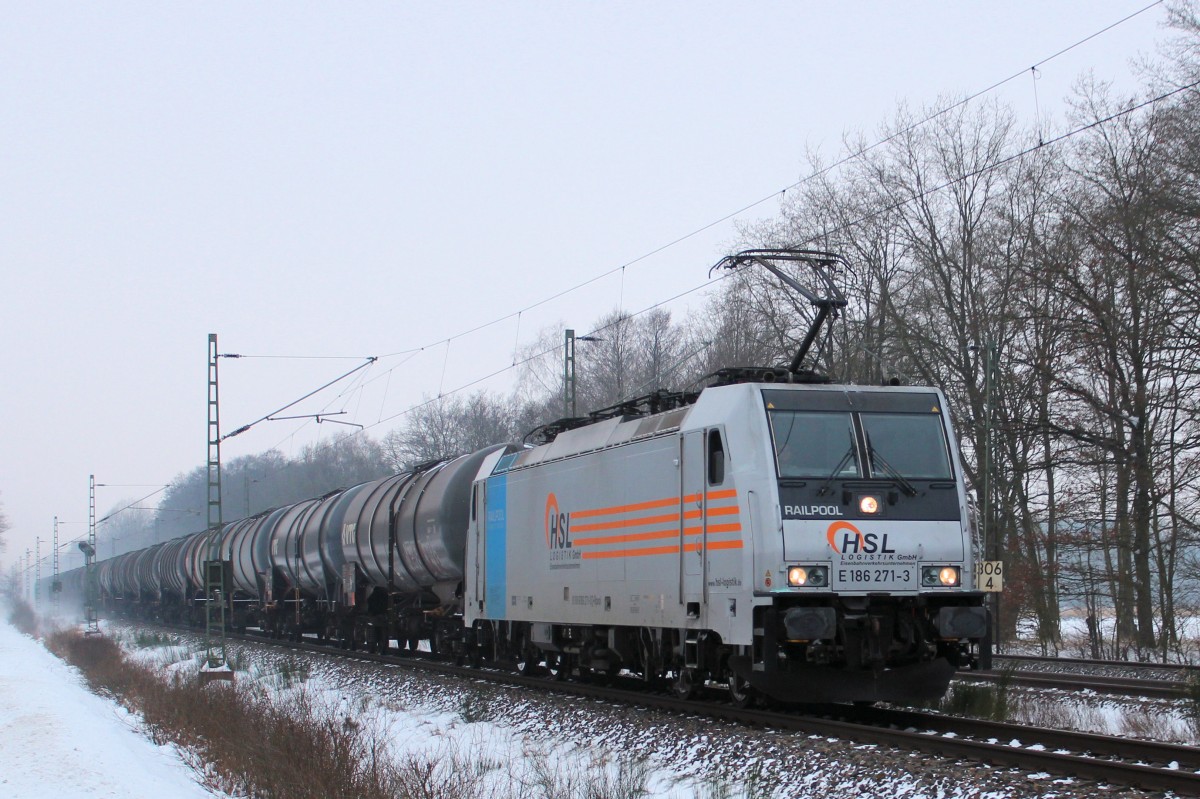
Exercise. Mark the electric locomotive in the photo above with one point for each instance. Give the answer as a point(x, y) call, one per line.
point(801, 540)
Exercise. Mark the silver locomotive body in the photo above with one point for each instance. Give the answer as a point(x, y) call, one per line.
point(811, 542)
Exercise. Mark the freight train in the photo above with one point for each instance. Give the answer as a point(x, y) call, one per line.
point(772, 533)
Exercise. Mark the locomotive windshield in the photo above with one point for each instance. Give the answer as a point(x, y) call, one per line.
point(812, 444)
point(827, 445)
point(910, 444)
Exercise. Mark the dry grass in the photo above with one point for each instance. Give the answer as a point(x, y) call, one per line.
point(1154, 727)
point(620, 778)
point(1056, 715)
point(1147, 723)
point(248, 740)
point(243, 741)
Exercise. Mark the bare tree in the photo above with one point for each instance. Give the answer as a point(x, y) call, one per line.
point(942, 232)
point(126, 526)
point(449, 426)
point(257, 482)
point(1122, 335)
point(729, 331)
point(630, 356)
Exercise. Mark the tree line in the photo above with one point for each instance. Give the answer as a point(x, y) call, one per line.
point(1067, 261)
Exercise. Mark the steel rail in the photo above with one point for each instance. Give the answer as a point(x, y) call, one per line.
point(1181, 668)
point(1121, 686)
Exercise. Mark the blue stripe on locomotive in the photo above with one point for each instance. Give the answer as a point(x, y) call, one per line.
point(496, 553)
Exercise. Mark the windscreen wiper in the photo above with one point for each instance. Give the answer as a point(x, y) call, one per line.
point(890, 471)
point(824, 489)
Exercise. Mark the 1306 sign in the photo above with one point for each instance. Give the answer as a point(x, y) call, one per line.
point(989, 575)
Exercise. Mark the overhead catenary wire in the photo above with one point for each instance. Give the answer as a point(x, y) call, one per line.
point(370, 360)
point(781, 193)
point(858, 221)
point(925, 192)
point(933, 115)
point(864, 218)
point(131, 506)
point(413, 351)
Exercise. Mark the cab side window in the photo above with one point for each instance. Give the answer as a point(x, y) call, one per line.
point(716, 458)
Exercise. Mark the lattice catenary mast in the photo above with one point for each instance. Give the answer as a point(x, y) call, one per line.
point(216, 665)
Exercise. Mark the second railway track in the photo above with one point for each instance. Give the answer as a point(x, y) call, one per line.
point(1122, 686)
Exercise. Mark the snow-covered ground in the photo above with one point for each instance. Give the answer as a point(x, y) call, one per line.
point(60, 741)
point(1075, 641)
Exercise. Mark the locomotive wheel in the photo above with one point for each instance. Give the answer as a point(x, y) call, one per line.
point(444, 643)
point(684, 685)
point(741, 693)
point(528, 658)
point(557, 666)
point(440, 642)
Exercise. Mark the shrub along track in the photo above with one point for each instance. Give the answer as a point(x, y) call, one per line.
point(240, 741)
point(1103, 759)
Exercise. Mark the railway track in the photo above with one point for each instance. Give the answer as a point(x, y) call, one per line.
point(1173, 670)
point(1168, 681)
point(1122, 686)
point(1098, 758)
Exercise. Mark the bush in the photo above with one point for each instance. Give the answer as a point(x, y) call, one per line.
point(22, 617)
point(148, 640)
point(244, 743)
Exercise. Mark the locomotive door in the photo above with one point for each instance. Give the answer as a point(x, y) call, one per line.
point(692, 523)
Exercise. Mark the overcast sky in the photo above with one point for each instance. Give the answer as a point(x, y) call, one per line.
point(331, 179)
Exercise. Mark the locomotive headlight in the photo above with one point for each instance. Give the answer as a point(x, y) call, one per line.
point(811, 576)
point(948, 575)
point(868, 504)
point(933, 576)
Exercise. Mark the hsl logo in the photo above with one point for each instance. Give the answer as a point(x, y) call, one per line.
point(854, 542)
point(558, 525)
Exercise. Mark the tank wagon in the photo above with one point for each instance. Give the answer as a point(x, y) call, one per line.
point(772, 533)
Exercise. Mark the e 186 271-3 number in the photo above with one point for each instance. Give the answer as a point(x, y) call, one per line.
point(874, 575)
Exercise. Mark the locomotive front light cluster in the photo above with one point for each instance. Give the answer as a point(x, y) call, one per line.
point(810, 576)
point(869, 504)
point(932, 576)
